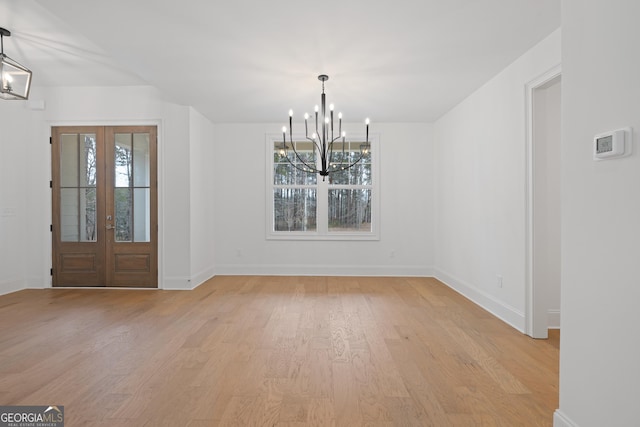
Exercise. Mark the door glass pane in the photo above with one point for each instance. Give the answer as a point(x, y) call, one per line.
point(69, 224)
point(141, 159)
point(294, 209)
point(69, 160)
point(88, 160)
point(141, 214)
point(78, 187)
point(350, 210)
point(88, 215)
point(123, 160)
point(123, 211)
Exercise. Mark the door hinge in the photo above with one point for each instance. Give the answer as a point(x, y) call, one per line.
point(52, 271)
point(50, 140)
point(50, 184)
point(51, 227)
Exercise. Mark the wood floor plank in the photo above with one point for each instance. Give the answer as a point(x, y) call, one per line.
point(274, 351)
point(345, 395)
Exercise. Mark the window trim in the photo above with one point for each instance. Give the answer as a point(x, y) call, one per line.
point(321, 232)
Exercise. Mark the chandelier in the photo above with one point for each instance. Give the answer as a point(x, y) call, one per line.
point(15, 79)
point(323, 140)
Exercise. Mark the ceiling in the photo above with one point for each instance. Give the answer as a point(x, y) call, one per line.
point(251, 60)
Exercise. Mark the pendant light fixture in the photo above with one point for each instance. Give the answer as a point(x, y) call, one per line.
point(323, 141)
point(15, 78)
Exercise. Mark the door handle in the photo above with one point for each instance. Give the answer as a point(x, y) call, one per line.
point(110, 227)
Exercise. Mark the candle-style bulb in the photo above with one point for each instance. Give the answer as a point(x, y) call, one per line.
point(290, 113)
point(316, 108)
point(340, 116)
point(306, 116)
point(326, 120)
point(344, 134)
point(314, 136)
point(331, 107)
point(366, 122)
point(284, 129)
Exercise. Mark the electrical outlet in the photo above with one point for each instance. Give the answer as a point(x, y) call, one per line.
point(499, 280)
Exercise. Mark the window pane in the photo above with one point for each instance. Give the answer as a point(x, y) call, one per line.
point(69, 160)
point(123, 160)
point(88, 215)
point(141, 159)
point(141, 214)
point(123, 205)
point(359, 174)
point(294, 209)
point(87, 160)
point(69, 215)
point(285, 173)
point(350, 210)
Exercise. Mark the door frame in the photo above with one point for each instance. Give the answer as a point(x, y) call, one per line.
point(158, 123)
point(532, 323)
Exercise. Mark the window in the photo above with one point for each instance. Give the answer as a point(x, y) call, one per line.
point(303, 205)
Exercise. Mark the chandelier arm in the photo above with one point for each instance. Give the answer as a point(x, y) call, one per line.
point(331, 151)
point(314, 143)
point(351, 165)
point(313, 169)
point(322, 149)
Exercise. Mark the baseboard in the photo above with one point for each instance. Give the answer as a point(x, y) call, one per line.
point(323, 270)
point(201, 277)
point(39, 282)
point(168, 283)
point(12, 285)
point(553, 318)
point(176, 283)
point(187, 283)
point(560, 419)
point(505, 312)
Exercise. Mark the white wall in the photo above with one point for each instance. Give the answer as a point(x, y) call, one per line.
point(142, 105)
point(14, 228)
point(26, 194)
point(201, 198)
point(406, 176)
point(600, 345)
point(480, 181)
point(198, 171)
point(546, 204)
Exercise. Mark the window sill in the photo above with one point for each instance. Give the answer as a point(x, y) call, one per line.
point(308, 236)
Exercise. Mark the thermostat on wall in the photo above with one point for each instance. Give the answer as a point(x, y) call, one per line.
point(611, 145)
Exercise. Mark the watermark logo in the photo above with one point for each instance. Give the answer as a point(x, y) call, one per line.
point(32, 416)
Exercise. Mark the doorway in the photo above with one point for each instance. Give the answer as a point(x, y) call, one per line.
point(544, 204)
point(104, 206)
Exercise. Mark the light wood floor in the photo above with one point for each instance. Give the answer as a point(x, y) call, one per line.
point(274, 351)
